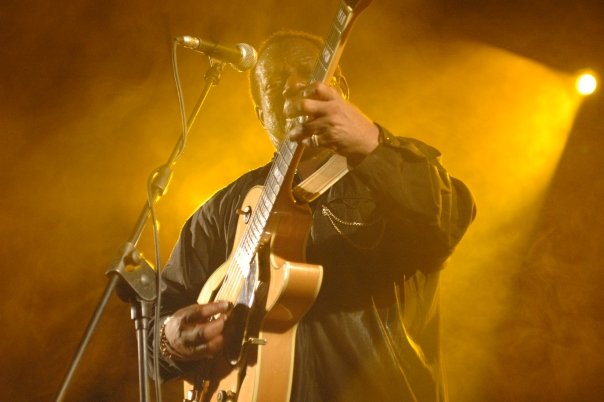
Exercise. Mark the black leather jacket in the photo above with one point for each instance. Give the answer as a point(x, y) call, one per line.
point(382, 234)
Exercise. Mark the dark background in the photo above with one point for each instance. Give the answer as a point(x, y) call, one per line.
point(88, 109)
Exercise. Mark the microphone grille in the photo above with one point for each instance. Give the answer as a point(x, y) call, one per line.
point(249, 57)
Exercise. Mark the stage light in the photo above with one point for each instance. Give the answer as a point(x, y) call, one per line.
point(586, 82)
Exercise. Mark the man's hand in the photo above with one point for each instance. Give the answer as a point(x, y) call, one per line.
point(334, 122)
point(195, 332)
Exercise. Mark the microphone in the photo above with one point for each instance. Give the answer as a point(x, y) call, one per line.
point(241, 56)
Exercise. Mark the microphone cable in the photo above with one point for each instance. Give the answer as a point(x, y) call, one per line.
point(151, 188)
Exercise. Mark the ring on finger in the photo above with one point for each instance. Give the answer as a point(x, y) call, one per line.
point(314, 140)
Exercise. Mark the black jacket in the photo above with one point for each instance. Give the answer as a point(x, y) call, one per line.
point(382, 234)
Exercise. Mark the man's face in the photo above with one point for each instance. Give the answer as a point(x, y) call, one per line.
point(284, 69)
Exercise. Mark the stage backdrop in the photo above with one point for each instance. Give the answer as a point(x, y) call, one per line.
point(88, 109)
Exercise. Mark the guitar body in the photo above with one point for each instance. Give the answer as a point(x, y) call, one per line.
point(263, 368)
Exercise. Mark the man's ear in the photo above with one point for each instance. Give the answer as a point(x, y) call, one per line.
point(260, 115)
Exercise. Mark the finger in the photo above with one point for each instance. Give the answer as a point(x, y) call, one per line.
point(315, 141)
point(312, 108)
point(321, 127)
point(208, 349)
point(298, 133)
point(312, 141)
point(214, 346)
point(209, 330)
point(314, 101)
point(317, 108)
point(320, 91)
point(200, 349)
point(202, 312)
point(303, 133)
point(292, 107)
point(202, 333)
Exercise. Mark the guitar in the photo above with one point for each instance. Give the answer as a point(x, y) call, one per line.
point(264, 277)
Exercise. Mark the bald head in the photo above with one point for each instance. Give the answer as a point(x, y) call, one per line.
point(280, 45)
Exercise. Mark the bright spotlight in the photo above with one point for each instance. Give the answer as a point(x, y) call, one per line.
point(586, 82)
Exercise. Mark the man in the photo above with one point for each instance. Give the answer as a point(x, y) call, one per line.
point(382, 233)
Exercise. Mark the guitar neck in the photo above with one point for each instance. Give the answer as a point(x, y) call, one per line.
point(288, 155)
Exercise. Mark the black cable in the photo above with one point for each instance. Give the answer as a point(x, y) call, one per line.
point(152, 190)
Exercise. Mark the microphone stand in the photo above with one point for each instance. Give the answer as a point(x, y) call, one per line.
point(130, 275)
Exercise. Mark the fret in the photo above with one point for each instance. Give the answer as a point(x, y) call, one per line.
point(282, 163)
point(245, 250)
point(288, 148)
point(262, 216)
point(319, 72)
point(326, 57)
point(286, 159)
point(275, 188)
point(264, 213)
point(341, 17)
point(270, 195)
point(278, 175)
point(285, 156)
point(243, 253)
point(253, 228)
point(243, 246)
point(266, 203)
point(249, 249)
point(270, 182)
point(286, 153)
point(242, 264)
point(278, 159)
point(257, 228)
point(332, 41)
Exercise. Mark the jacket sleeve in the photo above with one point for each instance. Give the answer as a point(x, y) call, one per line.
point(203, 245)
point(417, 194)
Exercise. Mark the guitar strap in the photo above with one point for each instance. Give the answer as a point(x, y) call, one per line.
point(322, 179)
